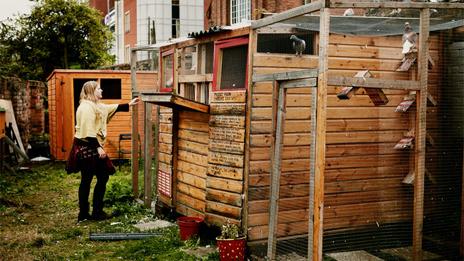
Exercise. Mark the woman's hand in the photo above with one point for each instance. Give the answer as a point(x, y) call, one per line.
point(134, 101)
point(101, 153)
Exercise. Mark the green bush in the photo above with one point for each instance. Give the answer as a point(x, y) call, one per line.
point(119, 190)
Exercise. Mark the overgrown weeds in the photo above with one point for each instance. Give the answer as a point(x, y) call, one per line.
point(38, 214)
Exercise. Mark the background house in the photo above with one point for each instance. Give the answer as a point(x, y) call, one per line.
point(143, 22)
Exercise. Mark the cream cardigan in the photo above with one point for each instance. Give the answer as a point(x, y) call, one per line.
point(92, 118)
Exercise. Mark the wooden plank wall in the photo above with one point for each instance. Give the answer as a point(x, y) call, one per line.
point(192, 163)
point(363, 177)
point(224, 182)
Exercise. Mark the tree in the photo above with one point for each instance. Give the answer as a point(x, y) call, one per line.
point(57, 34)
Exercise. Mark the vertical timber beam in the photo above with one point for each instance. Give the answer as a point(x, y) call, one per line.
point(421, 130)
point(321, 112)
point(275, 173)
point(461, 245)
point(249, 101)
point(147, 128)
point(156, 151)
point(135, 128)
point(175, 156)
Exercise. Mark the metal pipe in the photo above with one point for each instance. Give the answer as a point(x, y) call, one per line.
point(121, 236)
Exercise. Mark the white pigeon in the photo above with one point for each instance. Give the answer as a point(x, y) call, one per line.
point(299, 45)
point(409, 39)
point(348, 12)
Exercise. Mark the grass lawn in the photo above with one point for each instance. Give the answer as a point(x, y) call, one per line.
point(38, 214)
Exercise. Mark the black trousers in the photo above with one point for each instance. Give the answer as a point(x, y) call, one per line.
point(98, 192)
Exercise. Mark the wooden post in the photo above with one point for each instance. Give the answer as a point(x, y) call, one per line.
point(320, 134)
point(461, 245)
point(175, 155)
point(421, 131)
point(147, 127)
point(249, 101)
point(135, 128)
point(275, 173)
point(156, 150)
point(312, 171)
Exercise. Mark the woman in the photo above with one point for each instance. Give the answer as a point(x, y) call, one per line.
point(87, 154)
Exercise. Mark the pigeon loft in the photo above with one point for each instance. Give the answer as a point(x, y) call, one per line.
point(237, 117)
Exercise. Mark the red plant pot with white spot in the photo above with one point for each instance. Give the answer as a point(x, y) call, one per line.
point(231, 249)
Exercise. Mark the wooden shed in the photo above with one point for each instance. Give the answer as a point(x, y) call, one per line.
point(64, 87)
point(237, 140)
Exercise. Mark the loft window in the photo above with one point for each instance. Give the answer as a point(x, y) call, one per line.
point(230, 70)
point(281, 43)
point(175, 19)
point(167, 71)
point(189, 60)
point(111, 89)
point(240, 10)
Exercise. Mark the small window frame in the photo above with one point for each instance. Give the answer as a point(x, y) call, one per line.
point(219, 46)
point(127, 22)
point(164, 54)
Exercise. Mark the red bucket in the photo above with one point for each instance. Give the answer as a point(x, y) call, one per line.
point(188, 226)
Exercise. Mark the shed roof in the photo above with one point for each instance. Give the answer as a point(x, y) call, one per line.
point(371, 26)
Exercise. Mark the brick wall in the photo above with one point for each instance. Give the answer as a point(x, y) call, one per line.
point(27, 98)
point(217, 12)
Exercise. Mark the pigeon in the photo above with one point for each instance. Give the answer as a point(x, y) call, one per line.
point(348, 12)
point(299, 45)
point(409, 39)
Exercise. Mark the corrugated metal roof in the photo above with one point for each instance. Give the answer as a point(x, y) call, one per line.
point(217, 29)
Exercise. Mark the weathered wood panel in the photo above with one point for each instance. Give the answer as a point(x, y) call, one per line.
point(226, 156)
point(192, 159)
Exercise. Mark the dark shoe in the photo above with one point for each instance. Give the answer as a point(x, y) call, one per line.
point(102, 215)
point(83, 216)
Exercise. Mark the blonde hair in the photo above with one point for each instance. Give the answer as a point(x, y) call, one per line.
point(88, 91)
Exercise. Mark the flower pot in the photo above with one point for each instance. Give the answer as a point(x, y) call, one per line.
point(231, 249)
point(188, 226)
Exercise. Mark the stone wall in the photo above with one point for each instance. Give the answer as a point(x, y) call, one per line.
point(28, 99)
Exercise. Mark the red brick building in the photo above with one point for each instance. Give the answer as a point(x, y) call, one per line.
point(221, 12)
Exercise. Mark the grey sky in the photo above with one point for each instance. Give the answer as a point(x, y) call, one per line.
point(10, 8)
